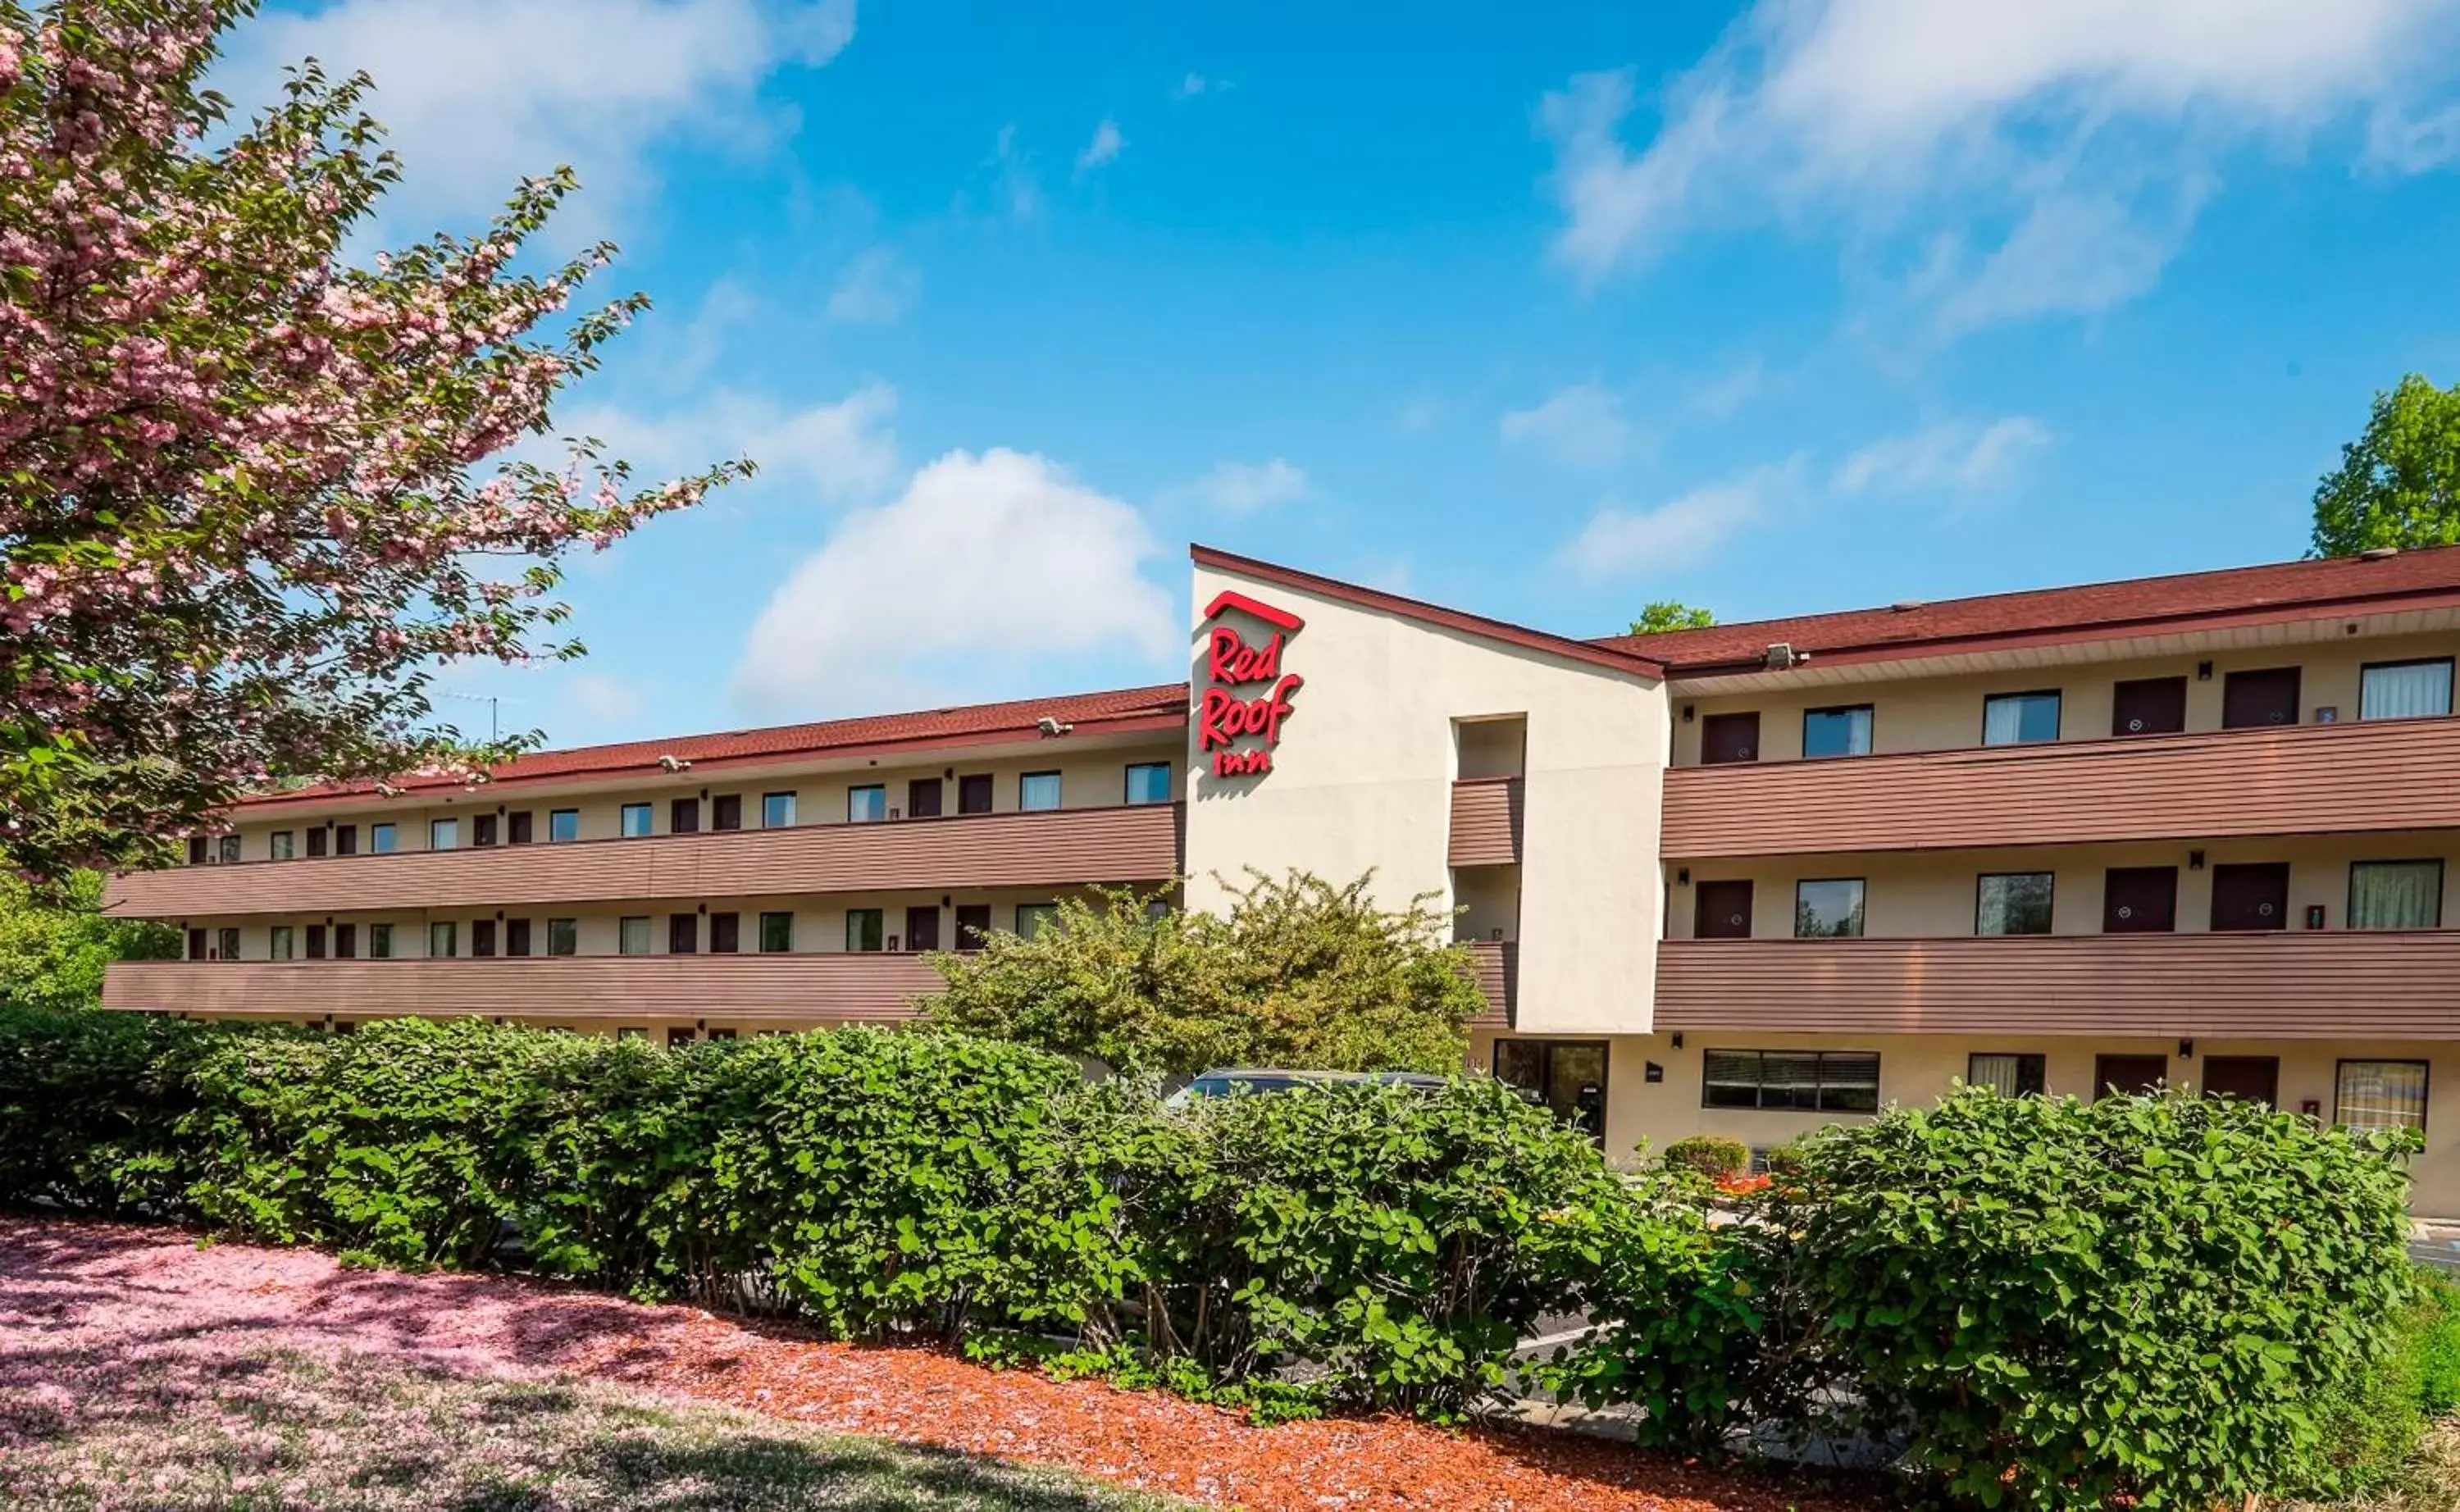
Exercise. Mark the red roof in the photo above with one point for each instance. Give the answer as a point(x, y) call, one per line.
point(2279, 590)
point(1161, 707)
point(1598, 653)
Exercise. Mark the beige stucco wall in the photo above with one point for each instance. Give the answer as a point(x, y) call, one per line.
point(1089, 779)
point(1915, 1070)
point(1362, 780)
point(1932, 894)
point(1940, 714)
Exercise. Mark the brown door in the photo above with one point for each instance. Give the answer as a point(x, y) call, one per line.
point(683, 816)
point(923, 798)
point(682, 934)
point(725, 811)
point(517, 828)
point(2254, 1077)
point(2155, 706)
point(2256, 698)
point(2127, 1073)
point(2139, 900)
point(345, 839)
point(725, 933)
point(2251, 897)
point(1568, 1075)
point(974, 794)
point(973, 923)
point(1729, 737)
point(345, 942)
point(923, 928)
point(196, 945)
point(1722, 910)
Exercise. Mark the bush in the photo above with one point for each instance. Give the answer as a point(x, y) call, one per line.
point(87, 1105)
point(2371, 1423)
point(1400, 1244)
point(2063, 1304)
point(1299, 974)
point(1713, 1155)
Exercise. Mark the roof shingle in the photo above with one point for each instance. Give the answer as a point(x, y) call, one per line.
point(2148, 602)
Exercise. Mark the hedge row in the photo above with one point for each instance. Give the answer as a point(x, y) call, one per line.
point(2164, 1300)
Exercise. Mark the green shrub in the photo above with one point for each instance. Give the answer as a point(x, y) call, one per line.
point(1709, 1155)
point(900, 1181)
point(2435, 1343)
point(87, 1105)
point(1400, 1243)
point(2371, 1423)
point(2063, 1304)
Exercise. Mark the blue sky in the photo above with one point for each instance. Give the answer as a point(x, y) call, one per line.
point(1542, 313)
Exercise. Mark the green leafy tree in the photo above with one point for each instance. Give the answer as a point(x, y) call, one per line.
point(54, 944)
point(1670, 614)
point(2398, 483)
point(1299, 974)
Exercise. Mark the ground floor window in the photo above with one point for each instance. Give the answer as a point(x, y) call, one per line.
point(2382, 1095)
point(1568, 1075)
point(2008, 1075)
point(1808, 1080)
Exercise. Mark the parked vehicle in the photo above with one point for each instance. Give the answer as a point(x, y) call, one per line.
point(1233, 1081)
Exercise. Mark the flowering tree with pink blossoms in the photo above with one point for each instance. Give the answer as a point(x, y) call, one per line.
point(245, 503)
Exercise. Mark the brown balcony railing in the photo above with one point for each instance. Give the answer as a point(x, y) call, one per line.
point(2384, 775)
point(1486, 822)
point(2325, 984)
point(1059, 847)
point(1497, 965)
point(829, 988)
point(816, 988)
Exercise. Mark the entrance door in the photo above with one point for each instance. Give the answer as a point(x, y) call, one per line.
point(1722, 910)
point(923, 798)
point(1568, 1075)
point(2254, 1077)
point(1726, 738)
point(2251, 897)
point(2154, 705)
point(973, 925)
point(2266, 697)
point(923, 928)
point(2139, 900)
point(2127, 1073)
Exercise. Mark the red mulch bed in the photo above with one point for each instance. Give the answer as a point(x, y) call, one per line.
point(67, 1286)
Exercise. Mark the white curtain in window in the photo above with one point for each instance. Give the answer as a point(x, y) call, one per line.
point(2382, 1094)
point(2396, 895)
point(1998, 1073)
point(2411, 689)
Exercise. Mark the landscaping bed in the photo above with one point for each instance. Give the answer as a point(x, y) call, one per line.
point(103, 1325)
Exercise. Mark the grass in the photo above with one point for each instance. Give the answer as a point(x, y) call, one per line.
point(2430, 1481)
point(281, 1430)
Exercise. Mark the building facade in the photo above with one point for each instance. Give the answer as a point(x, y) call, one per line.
point(1746, 879)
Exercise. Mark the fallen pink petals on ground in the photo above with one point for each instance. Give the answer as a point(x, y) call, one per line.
point(75, 1293)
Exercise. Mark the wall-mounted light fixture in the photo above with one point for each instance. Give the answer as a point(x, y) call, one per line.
point(1682, 876)
point(2194, 860)
point(2186, 1050)
point(1678, 1039)
point(2203, 671)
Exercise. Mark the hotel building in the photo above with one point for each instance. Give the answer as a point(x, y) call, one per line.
point(1745, 880)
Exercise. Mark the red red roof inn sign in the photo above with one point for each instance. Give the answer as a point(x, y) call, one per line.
point(1246, 694)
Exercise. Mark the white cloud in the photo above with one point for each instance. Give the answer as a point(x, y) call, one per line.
point(2070, 123)
point(984, 565)
point(841, 451)
point(1106, 145)
point(479, 93)
point(875, 289)
point(603, 700)
point(1722, 397)
point(1950, 455)
point(1192, 85)
point(1580, 427)
point(1619, 542)
point(1240, 487)
point(1019, 185)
